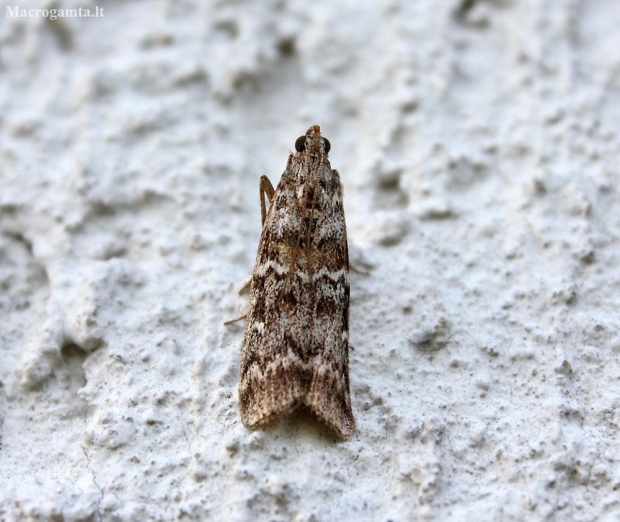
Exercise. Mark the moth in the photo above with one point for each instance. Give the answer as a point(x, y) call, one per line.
point(296, 342)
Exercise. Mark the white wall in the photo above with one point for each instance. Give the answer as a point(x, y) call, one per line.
point(478, 147)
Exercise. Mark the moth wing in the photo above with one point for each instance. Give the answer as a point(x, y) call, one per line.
point(267, 391)
point(329, 395)
point(274, 368)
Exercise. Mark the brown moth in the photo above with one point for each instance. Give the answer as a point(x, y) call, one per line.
point(296, 343)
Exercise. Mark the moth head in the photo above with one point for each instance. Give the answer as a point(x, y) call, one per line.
point(312, 141)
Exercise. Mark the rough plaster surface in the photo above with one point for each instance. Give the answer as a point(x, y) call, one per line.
point(478, 143)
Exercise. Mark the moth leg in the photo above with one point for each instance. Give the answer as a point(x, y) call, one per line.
point(265, 187)
point(244, 289)
point(232, 321)
point(353, 268)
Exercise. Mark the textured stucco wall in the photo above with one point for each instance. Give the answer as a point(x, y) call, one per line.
point(478, 146)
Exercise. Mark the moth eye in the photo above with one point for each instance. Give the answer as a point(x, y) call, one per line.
point(327, 145)
point(300, 144)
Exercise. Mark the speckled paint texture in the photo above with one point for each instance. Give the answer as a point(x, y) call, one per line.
point(478, 146)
